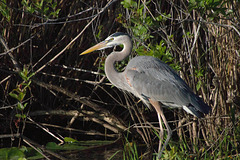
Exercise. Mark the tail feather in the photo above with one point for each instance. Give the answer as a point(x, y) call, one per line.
point(194, 111)
point(198, 107)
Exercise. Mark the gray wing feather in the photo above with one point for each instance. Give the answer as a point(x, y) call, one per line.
point(152, 78)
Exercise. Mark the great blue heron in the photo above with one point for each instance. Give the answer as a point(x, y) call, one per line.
point(153, 81)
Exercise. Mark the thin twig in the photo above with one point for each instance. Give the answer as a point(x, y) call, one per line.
point(14, 61)
point(73, 79)
point(45, 129)
point(70, 43)
point(9, 135)
point(78, 69)
point(9, 76)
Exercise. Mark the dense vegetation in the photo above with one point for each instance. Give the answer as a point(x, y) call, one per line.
point(51, 95)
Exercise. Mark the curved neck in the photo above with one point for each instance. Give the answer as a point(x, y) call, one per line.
point(114, 76)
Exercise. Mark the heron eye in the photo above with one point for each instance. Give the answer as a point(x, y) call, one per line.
point(109, 40)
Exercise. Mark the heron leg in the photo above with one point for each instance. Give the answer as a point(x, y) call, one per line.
point(161, 117)
point(161, 133)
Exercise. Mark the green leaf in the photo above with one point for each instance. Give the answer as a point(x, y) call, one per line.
point(57, 11)
point(26, 85)
point(25, 70)
point(129, 4)
point(23, 76)
point(4, 153)
point(45, 10)
point(199, 84)
point(11, 154)
point(22, 116)
point(23, 149)
point(13, 95)
point(54, 5)
point(25, 105)
point(21, 95)
point(52, 146)
point(20, 106)
point(70, 140)
point(4, 10)
point(15, 154)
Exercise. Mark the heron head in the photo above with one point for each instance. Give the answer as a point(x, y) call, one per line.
point(113, 40)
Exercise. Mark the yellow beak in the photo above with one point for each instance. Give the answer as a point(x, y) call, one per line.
point(96, 47)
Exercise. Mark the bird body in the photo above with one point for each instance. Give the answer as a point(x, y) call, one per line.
point(150, 79)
